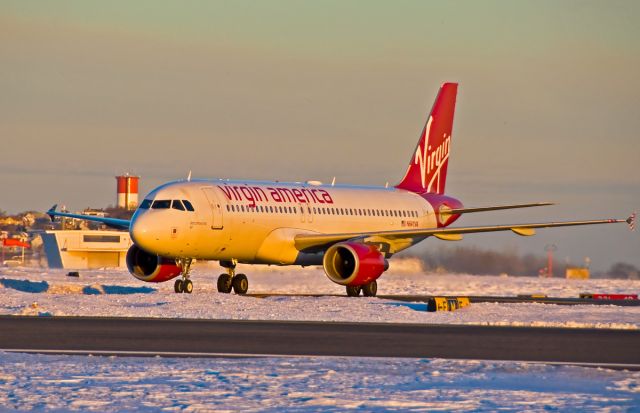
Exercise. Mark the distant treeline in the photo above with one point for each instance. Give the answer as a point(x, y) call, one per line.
point(478, 261)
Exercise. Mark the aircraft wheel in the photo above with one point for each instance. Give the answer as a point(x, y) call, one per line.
point(188, 286)
point(240, 284)
point(224, 283)
point(353, 290)
point(370, 289)
point(178, 286)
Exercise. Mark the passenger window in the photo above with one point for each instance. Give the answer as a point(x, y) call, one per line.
point(188, 205)
point(176, 204)
point(161, 204)
point(146, 204)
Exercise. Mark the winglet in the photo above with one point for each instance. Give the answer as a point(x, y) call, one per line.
point(51, 211)
point(632, 221)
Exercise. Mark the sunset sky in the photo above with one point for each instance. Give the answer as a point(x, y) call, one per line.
point(548, 104)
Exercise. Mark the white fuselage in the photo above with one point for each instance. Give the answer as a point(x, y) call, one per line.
point(256, 222)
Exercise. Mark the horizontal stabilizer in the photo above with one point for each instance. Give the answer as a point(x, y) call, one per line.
point(497, 208)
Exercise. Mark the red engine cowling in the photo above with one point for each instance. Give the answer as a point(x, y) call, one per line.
point(149, 267)
point(351, 263)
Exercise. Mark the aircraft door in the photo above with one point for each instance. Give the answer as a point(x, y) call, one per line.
point(216, 207)
point(305, 213)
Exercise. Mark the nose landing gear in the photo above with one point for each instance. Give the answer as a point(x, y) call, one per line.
point(238, 282)
point(184, 284)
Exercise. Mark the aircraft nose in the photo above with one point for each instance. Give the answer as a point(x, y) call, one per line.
point(143, 233)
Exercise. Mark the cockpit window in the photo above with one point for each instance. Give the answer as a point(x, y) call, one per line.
point(177, 204)
point(188, 205)
point(146, 204)
point(161, 204)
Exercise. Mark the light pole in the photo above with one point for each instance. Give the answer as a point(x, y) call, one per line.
point(550, 248)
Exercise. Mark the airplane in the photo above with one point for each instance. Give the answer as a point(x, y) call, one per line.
point(352, 231)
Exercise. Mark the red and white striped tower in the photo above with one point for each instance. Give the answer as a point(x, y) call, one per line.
point(127, 191)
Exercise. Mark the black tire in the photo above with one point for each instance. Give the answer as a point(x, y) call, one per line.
point(188, 286)
point(178, 286)
point(370, 289)
point(224, 283)
point(240, 284)
point(353, 290)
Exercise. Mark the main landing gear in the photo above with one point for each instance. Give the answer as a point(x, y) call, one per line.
point(226, 282)
point(368, 290)
point(184, 284)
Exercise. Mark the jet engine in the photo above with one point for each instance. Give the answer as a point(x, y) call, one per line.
point(351, 263)
point(150, 267)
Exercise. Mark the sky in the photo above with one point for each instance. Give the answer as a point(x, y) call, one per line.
point(548, 103)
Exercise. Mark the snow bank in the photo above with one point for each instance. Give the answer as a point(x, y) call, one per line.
point(116, 293)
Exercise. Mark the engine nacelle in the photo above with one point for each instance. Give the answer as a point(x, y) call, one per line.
point(351, 263)
point(149, 267)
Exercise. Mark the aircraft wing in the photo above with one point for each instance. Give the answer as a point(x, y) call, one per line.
point(311, 241)
point(110, 222)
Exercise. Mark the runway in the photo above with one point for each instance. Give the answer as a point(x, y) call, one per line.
point(209, 338)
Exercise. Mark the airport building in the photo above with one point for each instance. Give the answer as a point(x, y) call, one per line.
point(85, 249)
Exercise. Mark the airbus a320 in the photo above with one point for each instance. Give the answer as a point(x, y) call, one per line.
point(352, 231)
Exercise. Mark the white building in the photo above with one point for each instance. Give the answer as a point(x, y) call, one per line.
point(83, 249)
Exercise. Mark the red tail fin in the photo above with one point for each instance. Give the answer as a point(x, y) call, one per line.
point(427, 171)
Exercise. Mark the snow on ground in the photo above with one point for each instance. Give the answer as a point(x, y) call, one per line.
point(33, 291)
point(106, 384)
